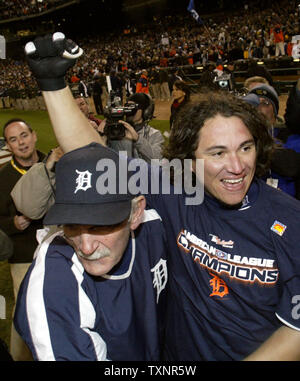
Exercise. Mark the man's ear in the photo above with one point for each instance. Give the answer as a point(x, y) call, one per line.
point(138, 212)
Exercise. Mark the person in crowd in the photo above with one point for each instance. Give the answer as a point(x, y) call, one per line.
point(269, 106)
point(181, 95)
point(97, 95)
point(84, 107)
point(173, 77)
point(140, 140)
point(254, 81)
point(239, 246)
point(278, 38)
point(290, 136)
point(103, 83)
point(291, 116)
point(154, 83)
point(96, 289)
point(130, 84)
point(83, 89)
point(21, 140)
point(182, 35)
point(230, 69)
point(116, 84)
point(164, 84)
point(284, 172)
point(142, 85)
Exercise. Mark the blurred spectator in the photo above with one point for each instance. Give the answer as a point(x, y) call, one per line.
point(155, 84)
point(164, 85)
point(97, 95)
point(269, 106)
point(116, 84)
point(254, 81)
point(82, 103)
point(142, 85)
point(278, 40)
point(180, 95)
point(225, 36)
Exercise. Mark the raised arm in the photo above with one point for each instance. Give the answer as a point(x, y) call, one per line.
point(72, 129)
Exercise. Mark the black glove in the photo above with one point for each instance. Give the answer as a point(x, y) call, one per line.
point(49, 59)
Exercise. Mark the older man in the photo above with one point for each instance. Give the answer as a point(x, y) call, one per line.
point(95, 290)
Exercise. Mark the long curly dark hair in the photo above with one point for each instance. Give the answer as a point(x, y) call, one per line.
point(184, 137)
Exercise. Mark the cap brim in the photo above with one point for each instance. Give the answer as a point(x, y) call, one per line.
point(88, 214)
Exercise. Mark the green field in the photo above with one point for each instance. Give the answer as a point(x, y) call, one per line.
point(40, 122)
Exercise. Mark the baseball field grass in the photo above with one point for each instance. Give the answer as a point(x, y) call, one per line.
point(40, 122)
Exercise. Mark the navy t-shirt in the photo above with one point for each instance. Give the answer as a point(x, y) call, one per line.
point(233, 274)
point(65, 314)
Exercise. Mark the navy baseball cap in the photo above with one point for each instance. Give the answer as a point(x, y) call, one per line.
point(251, 99)
point(268, 92)
point(88, 188)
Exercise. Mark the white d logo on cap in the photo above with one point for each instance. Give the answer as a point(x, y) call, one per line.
point(83, 180)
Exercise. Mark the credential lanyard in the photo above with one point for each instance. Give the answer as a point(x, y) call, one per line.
point(20, 170)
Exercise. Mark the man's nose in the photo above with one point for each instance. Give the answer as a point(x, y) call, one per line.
point(234, 164)
point(21, 140)
point(87, 244)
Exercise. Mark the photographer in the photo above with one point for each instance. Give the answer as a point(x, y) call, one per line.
point(138, 138)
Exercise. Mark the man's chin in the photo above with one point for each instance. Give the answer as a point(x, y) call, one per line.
point(24, 156)
point(231, 206)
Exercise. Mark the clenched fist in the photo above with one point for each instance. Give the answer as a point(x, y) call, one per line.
point(49, 59)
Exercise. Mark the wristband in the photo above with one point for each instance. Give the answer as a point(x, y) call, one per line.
point(51, 84)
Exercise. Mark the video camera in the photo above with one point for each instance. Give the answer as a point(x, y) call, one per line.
point(114, 112)
point(224, 82)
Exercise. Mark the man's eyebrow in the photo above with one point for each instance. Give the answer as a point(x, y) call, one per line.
point(249, 141)
point(11, 137)
point(212, 148)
